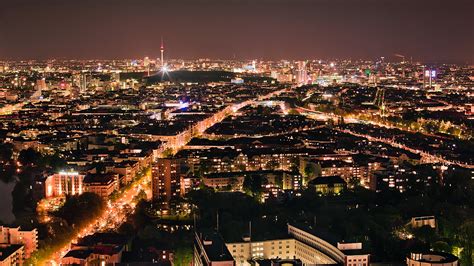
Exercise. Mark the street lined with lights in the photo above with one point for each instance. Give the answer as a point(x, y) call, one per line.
point(116, 211)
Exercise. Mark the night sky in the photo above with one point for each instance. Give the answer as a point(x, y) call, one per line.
point(427, 30)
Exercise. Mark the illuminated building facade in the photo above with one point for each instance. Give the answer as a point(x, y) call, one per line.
point(64, 183)
point(97, 249)
point(11, 255)
point(300, 244)
point(328, 185)
point(165, 179)
point(417, 222)
point(432, 259)
point(15, 236)
point(101, 184)
point(301, 73)
point(187, 184)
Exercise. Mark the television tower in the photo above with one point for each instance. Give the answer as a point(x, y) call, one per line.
point(162, 49)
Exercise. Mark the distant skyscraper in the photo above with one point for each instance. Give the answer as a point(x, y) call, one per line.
point(428, 76)
point(41, 84)
point(80, 80)
point(39, 87)
point(301, 73)
point(83, 83)
point(146, 61)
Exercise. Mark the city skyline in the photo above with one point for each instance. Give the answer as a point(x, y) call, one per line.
point(427, 31)
point(237, 132)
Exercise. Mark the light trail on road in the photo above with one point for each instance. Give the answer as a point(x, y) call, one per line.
point(118, 210)
point(426, 156)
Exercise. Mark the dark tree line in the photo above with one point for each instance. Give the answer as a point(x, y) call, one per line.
point(79, 210)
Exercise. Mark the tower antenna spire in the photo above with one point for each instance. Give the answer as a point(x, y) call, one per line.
point(162, 50)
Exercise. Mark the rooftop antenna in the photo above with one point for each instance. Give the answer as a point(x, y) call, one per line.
point(250, 238)
point(217, 220)
point(162, 50)
point(250, 230)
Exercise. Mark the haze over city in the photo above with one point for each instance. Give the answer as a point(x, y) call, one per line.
point(426, 30)
point(237, 132)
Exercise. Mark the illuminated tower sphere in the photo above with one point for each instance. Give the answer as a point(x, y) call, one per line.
point(162, 50)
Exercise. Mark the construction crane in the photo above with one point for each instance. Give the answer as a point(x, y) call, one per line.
point(400, 56)
point(403, 62)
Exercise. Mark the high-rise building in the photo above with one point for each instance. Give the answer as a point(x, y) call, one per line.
point(80, 80)
point(165, 179)
point(301, 73)
point(429, 77)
